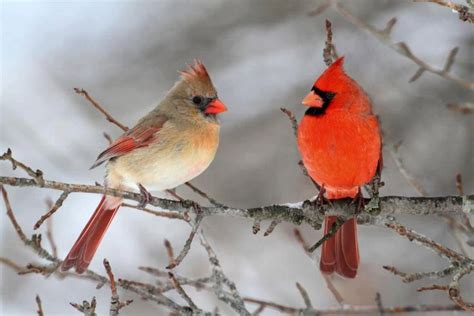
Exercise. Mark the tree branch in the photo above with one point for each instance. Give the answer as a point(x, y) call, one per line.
point(401, 48)
point(462, 10)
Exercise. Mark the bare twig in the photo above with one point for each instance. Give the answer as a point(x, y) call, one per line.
point(108, 138)
point(88, 309)
point(326, 277)
point(329, 52)
point(332, 231)
point(321, 8)
point(36, 175)
point(109, 117)
point(115, 304)
point(462, 10)
point(234, 299)
point(271, 227)
point(460, 265)
point(204, 194)
point(49, 235)
point(304, 295)
point(40, 306)
point(378, 301)
point(166, 214)
point(292, 118)
point(403, 49)
point(395, 153)
point(187, 245)
point(183, 293)
point(357, 310)
point(10, 214)
point(59, 202)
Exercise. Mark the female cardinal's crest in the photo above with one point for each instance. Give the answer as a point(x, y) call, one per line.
point(195, 72)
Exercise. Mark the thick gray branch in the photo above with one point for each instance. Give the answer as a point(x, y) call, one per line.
point(296, 213)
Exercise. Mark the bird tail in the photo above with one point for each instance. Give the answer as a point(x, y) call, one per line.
point(340, 253)
point(86, 245)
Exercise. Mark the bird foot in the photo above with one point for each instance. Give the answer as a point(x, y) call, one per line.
point(320, 199)
point(359, 201)
point(146, 196)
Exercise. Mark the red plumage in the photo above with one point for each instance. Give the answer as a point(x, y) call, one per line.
point(86, 245)
point(339, 141)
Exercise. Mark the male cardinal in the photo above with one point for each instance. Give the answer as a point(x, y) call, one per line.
point(339, 140)
point(169, 146)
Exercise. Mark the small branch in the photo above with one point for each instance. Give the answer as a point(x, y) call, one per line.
point(403, 49)
point(204, 195)
point(187, 244)
point(329, 52)
point(115, 304)
point(326, 277)
point(88, 309)
point(40, 306)
point(100, 108)
point(166, 214)
point(378, 301)
point(10, 215)
point(52, 210)
point(332, 231)
point(182, 292)
point(271, 227)
point(36, 175)
point(49, 236)
point(462, 10)
point(395, 153)
point(460, 265)
point(234, 299)
point(292, 118)
point(304, 295)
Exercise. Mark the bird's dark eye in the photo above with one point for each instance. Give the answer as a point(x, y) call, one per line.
point(197, 100)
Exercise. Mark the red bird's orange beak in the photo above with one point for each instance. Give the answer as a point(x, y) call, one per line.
point(313, 100)
point(215, 107)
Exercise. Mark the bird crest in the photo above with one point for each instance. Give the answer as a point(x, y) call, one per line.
point(197, 71)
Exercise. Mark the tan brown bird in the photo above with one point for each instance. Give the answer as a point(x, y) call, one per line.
point(169, 146)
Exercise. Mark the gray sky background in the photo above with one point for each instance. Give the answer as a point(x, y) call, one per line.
point(262, 55)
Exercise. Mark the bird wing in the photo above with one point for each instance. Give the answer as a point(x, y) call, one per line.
point(143, 134)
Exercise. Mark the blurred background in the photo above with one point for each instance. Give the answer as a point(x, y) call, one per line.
point(262, 55)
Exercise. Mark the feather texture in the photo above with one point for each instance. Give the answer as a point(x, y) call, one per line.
point(340, 146)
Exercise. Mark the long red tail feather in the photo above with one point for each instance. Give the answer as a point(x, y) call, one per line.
point(341, 252)
point(88, 241)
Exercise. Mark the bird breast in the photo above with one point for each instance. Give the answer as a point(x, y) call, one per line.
point(178, 156)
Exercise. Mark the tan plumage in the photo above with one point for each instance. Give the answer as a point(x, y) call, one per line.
point(172, 144)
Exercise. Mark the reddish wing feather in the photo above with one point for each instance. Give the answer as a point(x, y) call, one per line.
point(133, 139)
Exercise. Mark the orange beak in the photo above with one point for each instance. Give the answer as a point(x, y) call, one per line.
point(215, 107)
point(313, 100)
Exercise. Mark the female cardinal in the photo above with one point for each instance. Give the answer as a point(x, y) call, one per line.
point(169, 146)
point(339, 141)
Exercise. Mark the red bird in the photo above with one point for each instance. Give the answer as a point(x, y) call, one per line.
point(169, 146)
point(339, 140)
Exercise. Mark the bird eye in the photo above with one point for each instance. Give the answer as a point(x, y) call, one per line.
point(197, 100)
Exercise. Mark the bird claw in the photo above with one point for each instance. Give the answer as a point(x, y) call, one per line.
point(359, 201)
point(320, 199)
point(146, 196)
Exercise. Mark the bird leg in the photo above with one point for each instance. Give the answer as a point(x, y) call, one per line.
point(320, 198)
point(359, 201)
point(146, 196)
